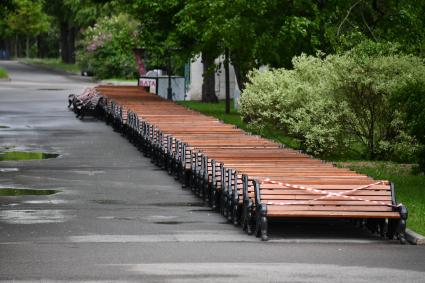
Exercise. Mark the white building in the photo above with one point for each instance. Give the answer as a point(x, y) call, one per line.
point(194, 90)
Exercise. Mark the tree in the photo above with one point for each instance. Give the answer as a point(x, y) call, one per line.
point(28, 19)
point(107, 47)
point(72, 15)
point(199, 31)
point(348, 23)
point(255, 32)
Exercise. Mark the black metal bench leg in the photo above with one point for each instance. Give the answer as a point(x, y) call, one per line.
point(262, 225)
point(401, 227)
point(251, 223)
point(235, 214)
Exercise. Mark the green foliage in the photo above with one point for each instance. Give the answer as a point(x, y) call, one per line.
point(339, 102)
point(347, 23)
point(297, 102)
point(158, 36)
point(107, 47)
point(28, 18)
point(410, 100)
point(255, 32)
point(368, 77)
point(3, 74)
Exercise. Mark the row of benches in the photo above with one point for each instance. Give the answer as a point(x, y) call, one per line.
point(250, 180)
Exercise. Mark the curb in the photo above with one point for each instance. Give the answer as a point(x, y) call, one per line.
point(58, 71)
point(49, 68)
point(120, 83)
point(414, 238)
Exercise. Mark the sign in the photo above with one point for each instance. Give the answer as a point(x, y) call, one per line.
point(147, 82)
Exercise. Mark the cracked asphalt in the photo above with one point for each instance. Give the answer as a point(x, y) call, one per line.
point(117, 217)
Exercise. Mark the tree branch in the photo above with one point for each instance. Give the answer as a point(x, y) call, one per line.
point(346, 16)
point(370, 31)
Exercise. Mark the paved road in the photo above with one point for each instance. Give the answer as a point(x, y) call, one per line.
point(119, 218)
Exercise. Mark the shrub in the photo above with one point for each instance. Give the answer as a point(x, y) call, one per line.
point(366, 79)
point(297, 102)
point(332, 104)
point(410, 99)
point(107, 48)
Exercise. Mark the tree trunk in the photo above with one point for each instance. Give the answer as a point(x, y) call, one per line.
point(322, 37)
point(27, 46)
point(8, 48)
point(226, 74)
point(64, 40)
point(240, 77)
point(371, 138)
point(138, 56)
point(16, 46)
point(208, 85)
point(41, 49)
point(71, 45)
point(19, 42)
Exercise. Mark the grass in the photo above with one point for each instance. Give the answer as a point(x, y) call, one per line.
point(25, 155)
point(25, 192)
point(57, 64)
point(121, 80)
point(410, 188)
point(54, 63)
point(3, 74)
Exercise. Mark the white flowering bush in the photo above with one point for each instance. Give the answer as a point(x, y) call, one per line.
point(336, 103)
point(297, 102)
point(107, 47)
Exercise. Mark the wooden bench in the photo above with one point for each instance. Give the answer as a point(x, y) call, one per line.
point(250, 179)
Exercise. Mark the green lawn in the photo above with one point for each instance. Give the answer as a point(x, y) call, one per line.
point(71, 68)
point(3, 74)
point(54, 63)
point(410, 188)
point(111, 80)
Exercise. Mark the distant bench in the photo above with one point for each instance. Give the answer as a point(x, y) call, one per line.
point(87, 103)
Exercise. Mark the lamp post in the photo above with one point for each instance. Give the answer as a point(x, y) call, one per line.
point(169, 89)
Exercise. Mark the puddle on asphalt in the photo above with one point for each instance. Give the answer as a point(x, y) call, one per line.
point(109, 201)
point(201, 210)
point(178, 204)
point(34, 216)
point(26, 155)
point(169, 222)
point(6, 147)
point(25, 192)
point(160, 218)
point(6, 170)
point(117, 218)
point(47, 201)
point(160, 204)
point(174, 222)
point(87, 172)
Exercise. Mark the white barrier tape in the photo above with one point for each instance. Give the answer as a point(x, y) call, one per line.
point(327, 193)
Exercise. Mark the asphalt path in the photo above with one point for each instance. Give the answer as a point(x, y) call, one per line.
point(120, 218)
